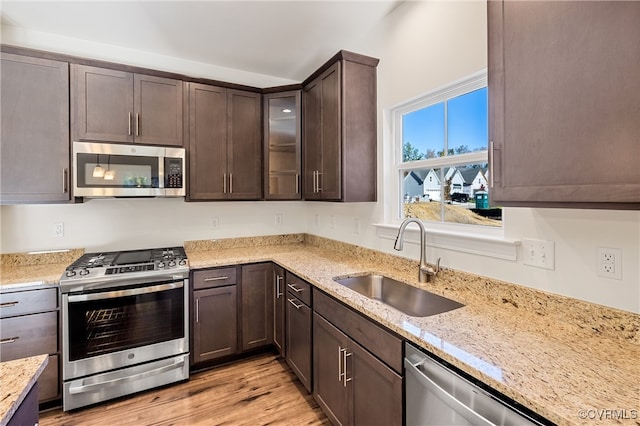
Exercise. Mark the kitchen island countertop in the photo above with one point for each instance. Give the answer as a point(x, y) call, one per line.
point(17, 378)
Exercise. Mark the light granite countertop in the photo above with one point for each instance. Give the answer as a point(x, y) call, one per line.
point(17, 378)
point(570, 361)
point(567, 360)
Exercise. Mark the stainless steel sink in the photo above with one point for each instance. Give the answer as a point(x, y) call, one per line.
point(404, 297)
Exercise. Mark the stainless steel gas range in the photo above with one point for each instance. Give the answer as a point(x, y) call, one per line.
point(124, 323)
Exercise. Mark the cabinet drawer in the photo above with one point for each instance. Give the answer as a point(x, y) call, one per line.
point(27, 302)
point(209, 278)
point(378, 341)
point(299, 288)
point(28, 335)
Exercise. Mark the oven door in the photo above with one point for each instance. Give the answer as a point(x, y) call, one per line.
point(109, 329)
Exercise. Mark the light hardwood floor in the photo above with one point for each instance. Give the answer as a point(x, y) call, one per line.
point(261, 390)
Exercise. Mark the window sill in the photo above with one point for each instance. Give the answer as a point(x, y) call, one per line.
point(483, 245)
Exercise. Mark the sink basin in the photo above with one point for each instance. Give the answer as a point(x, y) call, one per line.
point(404, 297)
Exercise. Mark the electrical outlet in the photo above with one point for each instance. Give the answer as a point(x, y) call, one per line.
point(58, 229)
point(539, 253)
point(609, 263)
point(215, 223)
point(278, 219)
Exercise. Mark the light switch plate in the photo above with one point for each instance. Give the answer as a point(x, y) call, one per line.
point(539, 253)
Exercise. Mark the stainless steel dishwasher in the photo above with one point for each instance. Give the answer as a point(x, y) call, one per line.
point(436, 395)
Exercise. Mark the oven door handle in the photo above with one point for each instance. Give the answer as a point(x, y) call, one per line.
point(123, 293)
point(114, 382)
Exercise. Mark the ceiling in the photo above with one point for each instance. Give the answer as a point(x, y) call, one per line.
point(285, 39)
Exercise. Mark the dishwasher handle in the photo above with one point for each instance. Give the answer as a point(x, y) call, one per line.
point(443, 395)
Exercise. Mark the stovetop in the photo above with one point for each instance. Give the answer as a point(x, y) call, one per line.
point(122, 265)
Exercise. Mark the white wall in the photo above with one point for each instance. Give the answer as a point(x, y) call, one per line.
point(422, 45)
point(119, 224)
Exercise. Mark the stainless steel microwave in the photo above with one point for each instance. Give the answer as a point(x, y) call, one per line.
point(117, 170)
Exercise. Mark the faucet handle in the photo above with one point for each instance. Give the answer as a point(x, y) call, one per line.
point(429, 271)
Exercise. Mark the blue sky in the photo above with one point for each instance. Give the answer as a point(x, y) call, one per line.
point(468, 124)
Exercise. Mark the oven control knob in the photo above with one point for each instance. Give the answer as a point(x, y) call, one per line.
point(84, 271)
point(160, 265)
point(70, 273)
point(172, 264)
point(182, 262)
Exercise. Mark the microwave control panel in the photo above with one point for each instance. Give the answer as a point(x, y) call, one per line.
point(173, 172)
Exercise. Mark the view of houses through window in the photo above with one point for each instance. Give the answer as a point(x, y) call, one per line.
point(443, 171)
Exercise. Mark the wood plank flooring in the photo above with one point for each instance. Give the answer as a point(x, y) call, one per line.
point(261, 390)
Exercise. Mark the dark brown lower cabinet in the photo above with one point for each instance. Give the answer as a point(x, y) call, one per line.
point(299, 339)
point(351, 385)
point(279, 299)
point(215, 331)
point(29, 326)
point(257, 305)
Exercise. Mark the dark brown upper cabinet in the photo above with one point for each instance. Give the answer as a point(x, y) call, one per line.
point(339, 130)
point(282, 154)
point(564, 104)
point(225, 144)
point(35, 130)
point(117, 106)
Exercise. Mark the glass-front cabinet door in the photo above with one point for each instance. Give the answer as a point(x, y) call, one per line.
point(282, 146)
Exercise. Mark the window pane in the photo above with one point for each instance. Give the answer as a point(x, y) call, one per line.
point(422, 193)
point(467, 128)
point(464, 189)
point(423, 133)
point(466, 192)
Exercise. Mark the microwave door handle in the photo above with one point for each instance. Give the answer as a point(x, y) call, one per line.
point(123, 293)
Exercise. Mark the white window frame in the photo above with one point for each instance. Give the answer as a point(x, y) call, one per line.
point(476, 239)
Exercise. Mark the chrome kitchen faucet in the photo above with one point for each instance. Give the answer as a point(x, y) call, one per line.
point(424, 271)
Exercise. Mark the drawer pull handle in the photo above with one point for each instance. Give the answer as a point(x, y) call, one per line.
point(216, 278)
point(294, 304)
point(9, 340)
point(8, 304)
point(294, 288)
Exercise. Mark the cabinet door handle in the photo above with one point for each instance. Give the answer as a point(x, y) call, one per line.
point(224, 183)
point(130, 123)
point(8, 304)
point(491, 164)
point(278, 283)
point(137, 124)
point(65, 180)
point(9, 340)
point(319, 186)
point(297, 183)
point(315, 181)
point(345, 355)
point(294, 288)
point(197, 311)
point(293, 302)
point(230, 183)
point(340, 373)
point(222, 278)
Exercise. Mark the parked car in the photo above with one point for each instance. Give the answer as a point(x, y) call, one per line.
point(459, 197)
